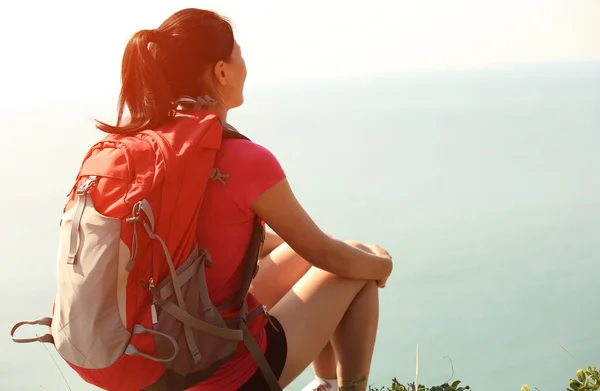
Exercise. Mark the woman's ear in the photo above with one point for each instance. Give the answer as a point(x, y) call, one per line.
point(220, 74)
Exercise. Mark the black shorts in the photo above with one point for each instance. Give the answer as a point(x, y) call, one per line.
point(276, 355)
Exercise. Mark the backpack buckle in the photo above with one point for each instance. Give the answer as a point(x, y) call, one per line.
point(87, 185)
point(154, 291)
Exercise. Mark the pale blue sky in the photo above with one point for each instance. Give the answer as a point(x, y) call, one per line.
point(63, 48)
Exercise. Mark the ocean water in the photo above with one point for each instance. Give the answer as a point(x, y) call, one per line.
point(484, 186)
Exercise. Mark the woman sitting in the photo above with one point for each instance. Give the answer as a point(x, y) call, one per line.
point(321, 293)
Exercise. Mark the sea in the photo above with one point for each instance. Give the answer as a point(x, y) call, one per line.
point(483, 184)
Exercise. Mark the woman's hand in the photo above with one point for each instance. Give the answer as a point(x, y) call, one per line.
point(375, 250)
point(380, 252)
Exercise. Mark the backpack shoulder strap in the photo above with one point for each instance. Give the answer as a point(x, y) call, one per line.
point(229, 132)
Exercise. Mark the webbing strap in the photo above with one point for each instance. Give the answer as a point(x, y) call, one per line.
point(260, 359)
point(74, 236)
point(198, 324)
point(164, 292)
point(189, 337)
point(249, 265)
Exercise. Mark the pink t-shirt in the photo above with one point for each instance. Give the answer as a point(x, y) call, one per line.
point(225, 226)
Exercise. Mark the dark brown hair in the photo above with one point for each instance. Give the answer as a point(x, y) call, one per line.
point(161, 65)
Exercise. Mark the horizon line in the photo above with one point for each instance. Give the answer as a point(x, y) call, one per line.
point(496, 68)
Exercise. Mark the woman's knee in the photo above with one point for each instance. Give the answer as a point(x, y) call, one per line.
point(371, 285)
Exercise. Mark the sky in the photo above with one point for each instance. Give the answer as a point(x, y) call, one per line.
point(62, 48)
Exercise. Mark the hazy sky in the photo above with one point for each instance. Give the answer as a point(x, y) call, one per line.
point(59, 48)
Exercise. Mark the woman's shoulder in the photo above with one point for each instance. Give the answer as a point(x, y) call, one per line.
point(240, 152)
point(250, 168)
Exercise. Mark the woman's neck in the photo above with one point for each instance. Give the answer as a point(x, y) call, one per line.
point(218, 109)
point(221, 112)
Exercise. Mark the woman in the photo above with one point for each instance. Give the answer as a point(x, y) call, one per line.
point(321, 293)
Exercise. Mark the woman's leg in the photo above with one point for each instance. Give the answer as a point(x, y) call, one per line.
point(279, 271)
point(323, 307)
point(354, 338)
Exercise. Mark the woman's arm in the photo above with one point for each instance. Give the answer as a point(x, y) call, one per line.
point(281, 211)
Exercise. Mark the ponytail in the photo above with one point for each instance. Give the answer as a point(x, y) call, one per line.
point(162, 65)
point(144, 90)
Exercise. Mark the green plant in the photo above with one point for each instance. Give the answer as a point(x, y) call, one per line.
point(396, 386)
point(586, 380)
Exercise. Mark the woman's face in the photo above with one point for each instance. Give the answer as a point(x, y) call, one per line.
point(229, 78)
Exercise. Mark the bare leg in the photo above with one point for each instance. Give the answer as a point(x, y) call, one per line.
point(324, 365)
point(322, 306)
point(354, 338)
point(279, 271)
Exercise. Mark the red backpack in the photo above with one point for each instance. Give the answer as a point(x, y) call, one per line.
point(132, 309)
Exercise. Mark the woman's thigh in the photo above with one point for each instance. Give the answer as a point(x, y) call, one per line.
point(309, 314)
point(280, 270)
point(277, 274)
